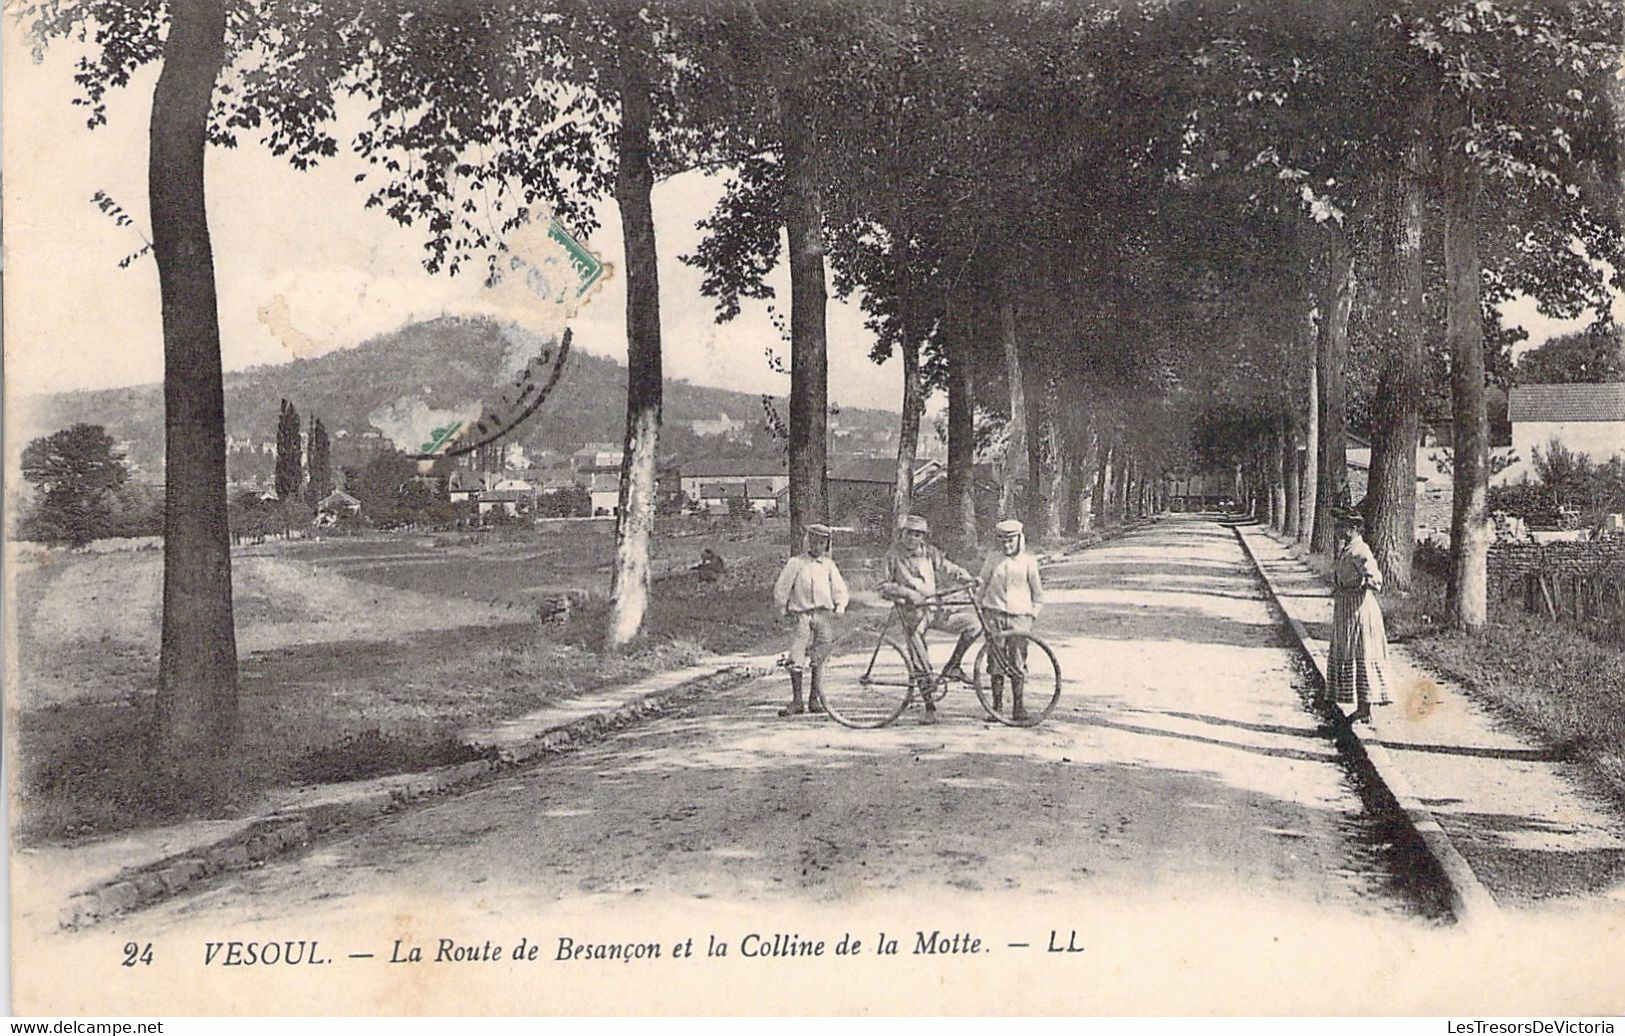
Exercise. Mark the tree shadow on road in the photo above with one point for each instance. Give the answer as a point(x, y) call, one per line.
point(1508, 858)
point(715, 802)
point(1147, 622)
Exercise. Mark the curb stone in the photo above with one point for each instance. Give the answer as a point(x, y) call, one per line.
point(291, 829)
point(1469, 900)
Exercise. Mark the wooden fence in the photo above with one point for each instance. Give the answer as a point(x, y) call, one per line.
point(1568, 595)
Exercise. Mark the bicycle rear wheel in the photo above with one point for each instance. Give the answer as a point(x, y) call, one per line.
point(997, 676)
point(867, 691)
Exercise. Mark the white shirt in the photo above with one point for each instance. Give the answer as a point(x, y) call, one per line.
point(1011, 584)
point(808, 583)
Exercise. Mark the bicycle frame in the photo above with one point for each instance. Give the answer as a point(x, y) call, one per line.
point(884, 689)
point(920, 667)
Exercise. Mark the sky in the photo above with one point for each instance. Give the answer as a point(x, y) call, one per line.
point(303, 269)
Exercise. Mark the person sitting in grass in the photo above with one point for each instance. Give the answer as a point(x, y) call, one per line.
point(910, 580)
point(811, 592)
point(1011, 597)
point(710, 566)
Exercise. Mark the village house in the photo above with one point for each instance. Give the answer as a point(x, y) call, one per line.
point(509, 502)
point(597, 469)
point(549, 470)
point(604, 488)
point(722, 425)
point(711, 485)
point(464, 485)
point(860, 488)
point(596, 458)
point(335, 506)
point(1587, 419)
point(1203, 492)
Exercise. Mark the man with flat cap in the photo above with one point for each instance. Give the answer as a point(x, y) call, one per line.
point(911, 578)
point(1012, 595)
point(811, 593)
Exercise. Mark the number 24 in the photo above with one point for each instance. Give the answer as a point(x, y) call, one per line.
point(137, 954)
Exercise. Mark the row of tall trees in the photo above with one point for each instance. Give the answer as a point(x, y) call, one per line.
point(1135, 237)
point(304, 461)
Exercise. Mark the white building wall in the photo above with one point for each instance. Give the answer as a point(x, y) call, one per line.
point(1599, 440)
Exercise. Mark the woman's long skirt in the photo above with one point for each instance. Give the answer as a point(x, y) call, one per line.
point(1357, 671)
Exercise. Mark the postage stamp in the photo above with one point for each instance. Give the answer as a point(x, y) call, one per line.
point(546, 274)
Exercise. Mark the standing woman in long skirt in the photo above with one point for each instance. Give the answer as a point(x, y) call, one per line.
point(1357, 670)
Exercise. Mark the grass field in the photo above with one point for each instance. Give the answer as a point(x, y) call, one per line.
point(359, 657)
point(1563, 683)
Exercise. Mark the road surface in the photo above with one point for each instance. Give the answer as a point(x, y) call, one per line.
point(1181, 756)
point(1182, 796)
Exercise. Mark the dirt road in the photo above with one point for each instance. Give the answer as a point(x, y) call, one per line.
point(1180, 757)
point(1180, 837)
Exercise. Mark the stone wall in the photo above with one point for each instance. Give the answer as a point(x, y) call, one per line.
point(1509, 561)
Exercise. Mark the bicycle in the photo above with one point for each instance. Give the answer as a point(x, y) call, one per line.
point(896, 675)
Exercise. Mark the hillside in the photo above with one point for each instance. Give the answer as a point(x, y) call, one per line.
point(444, 363)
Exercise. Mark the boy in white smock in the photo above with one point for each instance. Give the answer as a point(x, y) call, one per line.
point(1011, 597)
point(811, 593)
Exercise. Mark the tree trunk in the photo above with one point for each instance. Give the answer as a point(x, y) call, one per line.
point(1075, 433)
point(1464, 329)
point(1332, 353)
point(1103, 484)
point(1087, 469)
point(1309, 461)
point(1290, 476)
point(635, 517)
point(908, 431)
point(1011, 497)
point(196, 709)
point(1274, 454)
point(1397, 410)
point(1044, 451)
point(1071, 477)
point(809, 361)
point(1131, 485)
point(961, 442)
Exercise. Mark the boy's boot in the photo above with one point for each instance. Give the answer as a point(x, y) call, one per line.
point(953, 670)
point(997, 683)
point(1018, 710)
point(815, 693)
point(795, 708)
point(926, 691)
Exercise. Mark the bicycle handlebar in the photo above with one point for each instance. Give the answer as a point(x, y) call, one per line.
point(962, 588)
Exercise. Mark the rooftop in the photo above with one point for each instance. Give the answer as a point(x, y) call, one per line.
point(877, 469)
point(1567, 402)
point(746, 468)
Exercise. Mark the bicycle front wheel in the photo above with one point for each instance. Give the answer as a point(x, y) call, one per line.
point(1017, 679)
point(868, 691)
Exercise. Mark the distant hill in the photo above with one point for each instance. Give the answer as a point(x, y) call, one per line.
point(444, 362)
